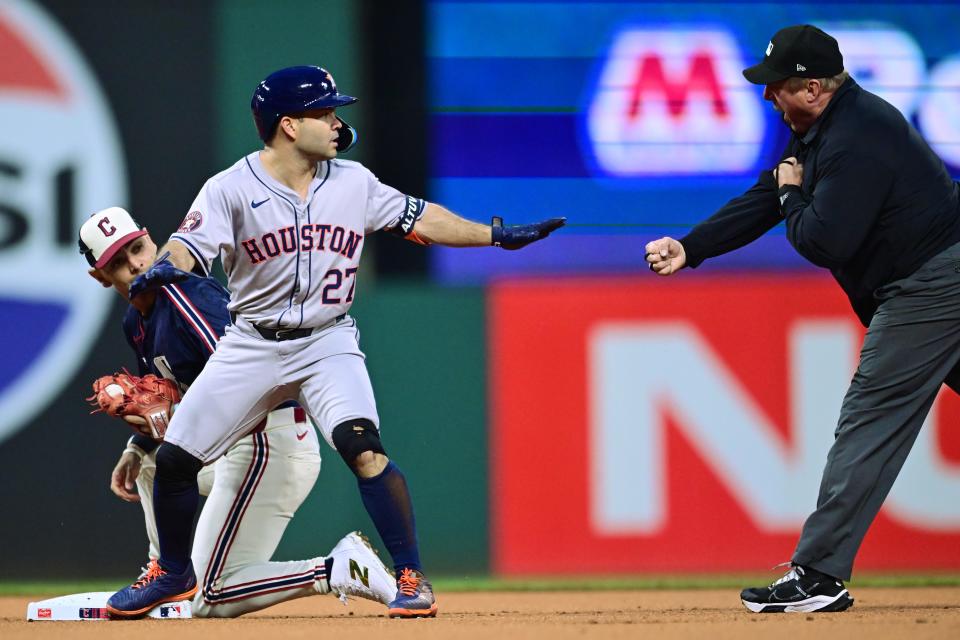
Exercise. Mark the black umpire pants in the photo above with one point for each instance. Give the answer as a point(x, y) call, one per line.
point(911, 348)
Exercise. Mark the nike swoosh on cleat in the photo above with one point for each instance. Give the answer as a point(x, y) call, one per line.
point(774, 596)
point(257, 204)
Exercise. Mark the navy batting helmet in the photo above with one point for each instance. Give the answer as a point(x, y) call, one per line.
point(294, 90)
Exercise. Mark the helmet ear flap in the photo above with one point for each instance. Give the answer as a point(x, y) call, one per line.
point(348, 137)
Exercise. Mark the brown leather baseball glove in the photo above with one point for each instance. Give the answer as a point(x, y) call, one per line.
point(145, 403)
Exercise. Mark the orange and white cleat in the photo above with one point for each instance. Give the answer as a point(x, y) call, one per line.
point(415, 597)
point(157, 586)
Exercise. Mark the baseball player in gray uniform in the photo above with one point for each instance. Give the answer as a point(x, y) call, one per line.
point(289, 224)
point(262, 479)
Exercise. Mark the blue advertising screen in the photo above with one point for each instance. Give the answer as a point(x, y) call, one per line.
point(633, 119)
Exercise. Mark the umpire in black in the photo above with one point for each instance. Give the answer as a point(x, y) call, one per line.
point(864, 196)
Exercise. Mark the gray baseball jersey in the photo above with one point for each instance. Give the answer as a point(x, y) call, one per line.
point(291, 263)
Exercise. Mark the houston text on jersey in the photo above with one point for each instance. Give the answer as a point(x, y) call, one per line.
point(313, 237)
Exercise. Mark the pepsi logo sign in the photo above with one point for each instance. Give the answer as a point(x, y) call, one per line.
point(60, 160)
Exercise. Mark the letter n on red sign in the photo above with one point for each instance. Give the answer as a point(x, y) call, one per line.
point(645, 425)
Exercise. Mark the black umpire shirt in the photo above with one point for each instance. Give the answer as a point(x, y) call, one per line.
point(875, 204)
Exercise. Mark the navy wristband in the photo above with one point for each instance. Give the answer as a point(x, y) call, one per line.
point(146, 443)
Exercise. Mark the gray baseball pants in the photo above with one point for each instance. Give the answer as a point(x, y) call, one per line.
point(911, 347)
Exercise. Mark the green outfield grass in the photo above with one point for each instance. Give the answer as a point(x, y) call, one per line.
point(483, 583)
point(738, 582)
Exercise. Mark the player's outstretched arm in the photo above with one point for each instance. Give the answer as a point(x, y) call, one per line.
point(441, 226)
point(665, 256)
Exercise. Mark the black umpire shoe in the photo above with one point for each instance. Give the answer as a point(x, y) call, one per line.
point(801, 590)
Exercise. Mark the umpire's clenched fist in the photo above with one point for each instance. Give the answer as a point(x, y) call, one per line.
point(665, 256)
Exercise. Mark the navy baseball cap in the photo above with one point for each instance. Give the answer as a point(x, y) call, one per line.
point(801, 51)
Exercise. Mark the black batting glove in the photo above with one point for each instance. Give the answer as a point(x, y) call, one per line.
point(520, 235)
point(161, 273)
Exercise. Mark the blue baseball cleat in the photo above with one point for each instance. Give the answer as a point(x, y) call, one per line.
point(415, 597)
point(154, 587)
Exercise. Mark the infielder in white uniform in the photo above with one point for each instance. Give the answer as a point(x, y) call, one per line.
point(289, 224)
point(256, 487)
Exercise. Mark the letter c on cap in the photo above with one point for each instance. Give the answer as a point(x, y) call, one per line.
point(102, 225)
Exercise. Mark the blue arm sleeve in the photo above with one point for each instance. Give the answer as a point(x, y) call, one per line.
point(131, 328)
point(201, 306)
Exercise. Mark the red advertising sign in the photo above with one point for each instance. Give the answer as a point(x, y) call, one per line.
point(682, 425)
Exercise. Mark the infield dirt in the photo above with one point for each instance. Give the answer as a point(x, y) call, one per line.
point(878, 614)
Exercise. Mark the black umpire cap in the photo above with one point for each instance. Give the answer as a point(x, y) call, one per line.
point(801, 51)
